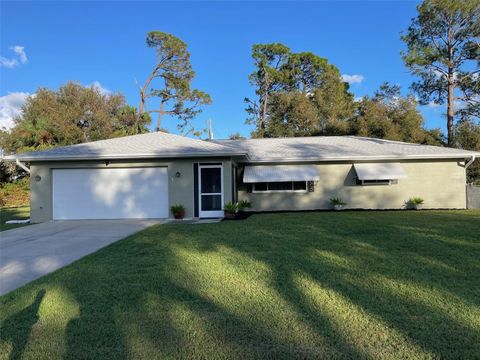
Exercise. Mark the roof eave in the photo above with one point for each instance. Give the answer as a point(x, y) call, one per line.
point(118, 156)
point(366, 158)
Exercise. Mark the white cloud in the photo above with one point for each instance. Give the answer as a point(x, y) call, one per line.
point(20, 58)
point(353, 79)
point(103, 90)
point(433, 104)
point(10, 107)
point(8, 63)
point(19, 50)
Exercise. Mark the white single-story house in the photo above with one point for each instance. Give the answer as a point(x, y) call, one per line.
point(141, 176)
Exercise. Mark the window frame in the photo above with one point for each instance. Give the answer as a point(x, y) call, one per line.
point(292, 190)
point(379, 182)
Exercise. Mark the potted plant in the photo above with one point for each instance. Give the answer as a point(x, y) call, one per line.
point(416, 202)
point(243, 205)
point(337, 203)
point(230, 210)
point(178, 211)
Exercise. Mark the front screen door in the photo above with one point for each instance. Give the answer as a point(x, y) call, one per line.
point(211, 190)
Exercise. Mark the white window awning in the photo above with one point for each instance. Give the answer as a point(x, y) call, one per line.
point(379, 171)
point(280, 173)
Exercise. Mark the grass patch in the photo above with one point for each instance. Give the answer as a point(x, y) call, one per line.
point(19, 213)
point(292, 285)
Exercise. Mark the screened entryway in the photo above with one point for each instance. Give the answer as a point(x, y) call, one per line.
point(210, 190)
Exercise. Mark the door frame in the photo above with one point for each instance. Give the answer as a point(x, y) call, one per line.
point(210, 213)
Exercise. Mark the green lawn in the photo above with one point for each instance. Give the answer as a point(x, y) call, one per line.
point(292, 285)
point(17, 213)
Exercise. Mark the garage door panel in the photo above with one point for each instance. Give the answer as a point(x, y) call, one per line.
point(114, 193)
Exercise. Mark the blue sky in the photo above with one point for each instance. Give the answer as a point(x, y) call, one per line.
point(104, 43)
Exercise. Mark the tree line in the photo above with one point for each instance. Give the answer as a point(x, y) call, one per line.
point(296, 94)
point(302, 94)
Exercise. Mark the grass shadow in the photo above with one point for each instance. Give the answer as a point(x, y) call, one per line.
point(16, 329)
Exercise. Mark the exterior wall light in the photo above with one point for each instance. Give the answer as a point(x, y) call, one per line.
point(178, 174)
point(38, 178)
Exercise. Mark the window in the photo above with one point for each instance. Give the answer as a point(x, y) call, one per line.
point(376, 182)
point(281, 186)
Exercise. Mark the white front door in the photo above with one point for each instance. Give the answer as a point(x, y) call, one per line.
point(210, 190)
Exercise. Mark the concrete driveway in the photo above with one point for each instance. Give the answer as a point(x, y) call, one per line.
point(30, 252)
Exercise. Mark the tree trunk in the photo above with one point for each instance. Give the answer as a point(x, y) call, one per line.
point(451, 87)
point(450, 108)
point(160, 114)
point(142, 103)
point(263, 115)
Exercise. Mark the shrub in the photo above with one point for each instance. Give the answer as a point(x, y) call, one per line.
point(337, 201)
point(230, 207)
point(177, 209)
point(416, 200)
point(244, 204)
point(14, 194)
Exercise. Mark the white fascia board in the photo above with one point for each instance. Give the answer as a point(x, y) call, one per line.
point(366, 158)
point(116, 157)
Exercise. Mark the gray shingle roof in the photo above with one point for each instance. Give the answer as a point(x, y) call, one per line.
point(331, 148)
point(319, 148)
point(157, 144)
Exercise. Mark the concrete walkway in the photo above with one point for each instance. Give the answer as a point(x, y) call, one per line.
point(30, 252)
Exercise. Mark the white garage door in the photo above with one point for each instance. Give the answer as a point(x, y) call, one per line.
point(113, 193)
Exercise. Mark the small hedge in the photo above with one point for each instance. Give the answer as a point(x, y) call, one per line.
point(15, 194)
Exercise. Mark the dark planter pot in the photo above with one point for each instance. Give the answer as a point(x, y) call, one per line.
point(229, 215)
point(179, 215)
point(243, 214)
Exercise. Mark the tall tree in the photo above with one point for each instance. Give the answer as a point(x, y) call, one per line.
point(305, 71)
point(292, 87)
point(443, 49)
point(71, 115)
point(334, 102)
point(269, 76)
point(175, 74)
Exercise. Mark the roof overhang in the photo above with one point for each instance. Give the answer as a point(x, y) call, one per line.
point(28, 158)
point(363, 158)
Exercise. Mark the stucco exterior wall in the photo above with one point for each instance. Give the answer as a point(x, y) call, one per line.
point(180, 190)
point(440, 183)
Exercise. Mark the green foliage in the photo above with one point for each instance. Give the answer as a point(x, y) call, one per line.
point(389, 115)
point(71, 115)
point(9, 171)
point(416, 200)
point(270, 75)
point(337, 201)
point(299, 94)
point(467, 136)
point(334, 103)
point(236, 136)
point(244, 204)
point(177, 209)
point(174, 73)
point(291, 114)
point(230, 207)
point(15, 193)
point(443, 51)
